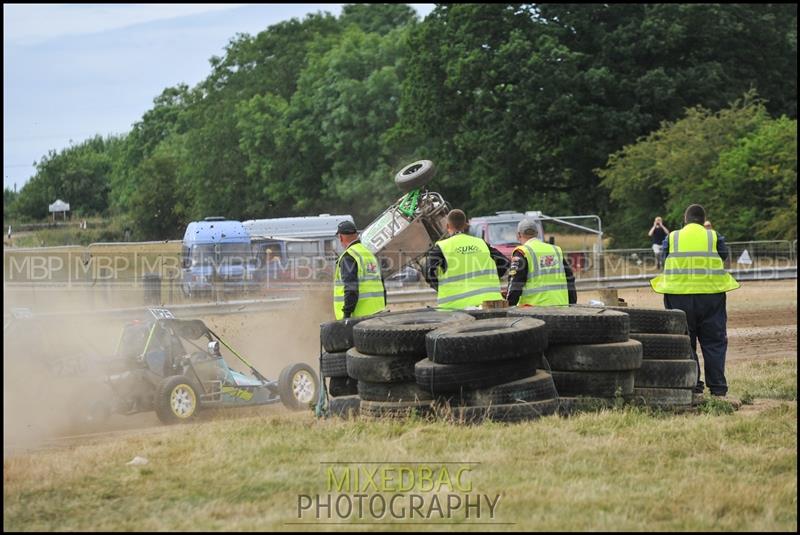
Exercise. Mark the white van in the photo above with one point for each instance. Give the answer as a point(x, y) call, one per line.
point(281, 244)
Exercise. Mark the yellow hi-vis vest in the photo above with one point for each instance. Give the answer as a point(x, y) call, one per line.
point(693, 265)
point(370, 286)
point(547, 281)
point(471, 276)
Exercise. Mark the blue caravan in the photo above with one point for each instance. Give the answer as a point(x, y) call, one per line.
point(215, 251)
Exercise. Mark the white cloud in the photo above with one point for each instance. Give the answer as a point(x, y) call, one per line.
point(30, 23)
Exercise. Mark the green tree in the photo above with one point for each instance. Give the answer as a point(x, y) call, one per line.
point(377, 18)
point(519, 103)
point(157, 204)
point(165, 119)
point(328, 145)
point(269, 63)
point(79, 175)
point(739, 163)
point(9, 196)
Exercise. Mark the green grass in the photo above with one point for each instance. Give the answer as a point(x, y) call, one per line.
point(628, 469)
point(770, 379)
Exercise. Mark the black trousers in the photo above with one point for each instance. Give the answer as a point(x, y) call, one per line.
point(707, 319)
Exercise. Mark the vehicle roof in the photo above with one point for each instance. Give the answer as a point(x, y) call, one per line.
point(228, 231)
point(503, 217)
point(296, 227)
point(190, 329)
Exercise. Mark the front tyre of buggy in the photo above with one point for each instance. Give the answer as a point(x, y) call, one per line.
point(298, 386)
point(177, 400)
point(415, 175)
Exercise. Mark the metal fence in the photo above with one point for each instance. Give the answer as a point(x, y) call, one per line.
point(613, 263)
point(118, 278)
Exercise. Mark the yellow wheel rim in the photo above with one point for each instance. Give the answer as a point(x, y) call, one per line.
point(182, 401)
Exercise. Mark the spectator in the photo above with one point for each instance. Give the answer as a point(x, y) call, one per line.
point(657, 234)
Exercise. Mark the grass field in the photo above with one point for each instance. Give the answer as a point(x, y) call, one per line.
point(612, 470)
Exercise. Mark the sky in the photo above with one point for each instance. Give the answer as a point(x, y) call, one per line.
point(71, 71)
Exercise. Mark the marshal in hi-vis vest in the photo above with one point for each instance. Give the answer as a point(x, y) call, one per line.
point(547, 282)
point(471, 276)
point(693, 265)
point(370, 286)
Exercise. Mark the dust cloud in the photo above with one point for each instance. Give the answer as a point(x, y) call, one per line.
point(52, 363)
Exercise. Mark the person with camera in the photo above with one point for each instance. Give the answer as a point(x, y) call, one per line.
point(657, 234)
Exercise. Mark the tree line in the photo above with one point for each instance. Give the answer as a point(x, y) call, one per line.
point(623, 110)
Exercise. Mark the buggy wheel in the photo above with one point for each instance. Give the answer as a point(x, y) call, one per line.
point(176, 400)
point(298, 386)
point(415, 175)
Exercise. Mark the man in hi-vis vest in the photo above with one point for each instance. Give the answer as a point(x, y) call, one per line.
point(358, 285)
point(695, 281)
point(464, 270)
point(539, 274)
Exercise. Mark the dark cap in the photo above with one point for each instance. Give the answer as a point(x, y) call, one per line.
point(346, 227)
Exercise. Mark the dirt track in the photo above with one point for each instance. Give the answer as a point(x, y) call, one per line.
point(762, 325)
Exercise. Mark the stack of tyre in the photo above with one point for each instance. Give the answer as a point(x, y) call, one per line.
point(336, 338)
point(668, 373)
point(592, 360)
point(387, 348)
point(488, 369)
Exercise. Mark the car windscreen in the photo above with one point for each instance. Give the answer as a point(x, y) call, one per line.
point(221, 253)
point(503, 233)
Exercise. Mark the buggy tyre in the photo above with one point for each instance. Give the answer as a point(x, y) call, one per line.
point(594, 384)
point(578, 325)
point(664, 346)
point(485, 340)
point(298, 386)
point(333, 364)
point(176, 400)
point(402, 334)
point(439, 378)
point(667, 374)
point(379, 369)
point(618, 356)
point(415, 175)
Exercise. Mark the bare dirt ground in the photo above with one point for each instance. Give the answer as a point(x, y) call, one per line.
point(762, 325)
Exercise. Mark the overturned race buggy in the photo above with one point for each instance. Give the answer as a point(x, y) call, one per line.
point(152, 370)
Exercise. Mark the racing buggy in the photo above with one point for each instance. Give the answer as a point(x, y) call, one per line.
point(405, 231)
point(152, 370)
